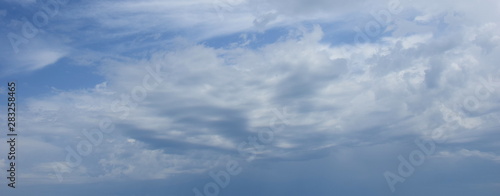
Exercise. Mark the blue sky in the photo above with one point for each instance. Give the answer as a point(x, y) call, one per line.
point(253, 97)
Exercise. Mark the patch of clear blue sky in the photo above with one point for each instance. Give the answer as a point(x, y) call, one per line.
point(62, 76)
point(17, 11)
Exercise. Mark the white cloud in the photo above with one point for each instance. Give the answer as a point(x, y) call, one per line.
point(204, 103)
point(40, 59)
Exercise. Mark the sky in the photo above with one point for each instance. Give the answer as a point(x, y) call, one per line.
point(252, 97)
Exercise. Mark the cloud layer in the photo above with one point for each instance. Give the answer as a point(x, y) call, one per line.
point(340, 114)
